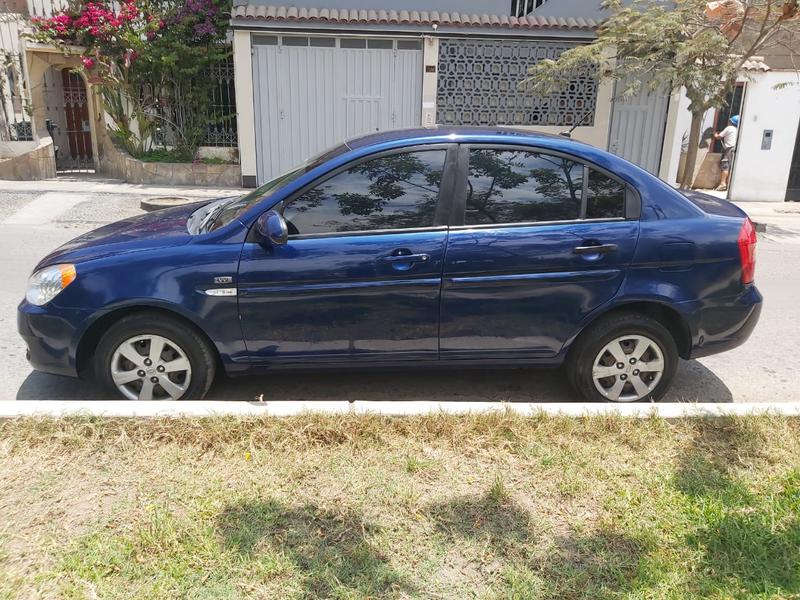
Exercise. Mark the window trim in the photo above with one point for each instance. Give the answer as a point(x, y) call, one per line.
point(632, 200)
point(443, 211)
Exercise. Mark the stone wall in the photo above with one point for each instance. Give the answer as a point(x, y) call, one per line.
point(30, 165)
point(116, 163)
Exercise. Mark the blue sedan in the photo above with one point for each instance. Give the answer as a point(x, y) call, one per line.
point(451, 247)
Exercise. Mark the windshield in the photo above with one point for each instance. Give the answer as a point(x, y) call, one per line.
point(224, 213)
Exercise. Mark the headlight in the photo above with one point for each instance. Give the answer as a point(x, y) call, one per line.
point(45, 284)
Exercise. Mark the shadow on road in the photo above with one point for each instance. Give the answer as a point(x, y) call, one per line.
point(693, 383)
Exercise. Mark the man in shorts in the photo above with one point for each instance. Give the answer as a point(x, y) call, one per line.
point(728, 138)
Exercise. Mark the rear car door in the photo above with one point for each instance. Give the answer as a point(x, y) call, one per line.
point(545, 239)
point(360, 276)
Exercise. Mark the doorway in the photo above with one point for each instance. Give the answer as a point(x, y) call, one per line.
point(67, 120)
point(733, 106)
point(793, 185)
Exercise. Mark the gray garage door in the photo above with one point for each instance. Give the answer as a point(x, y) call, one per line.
point(312, 92)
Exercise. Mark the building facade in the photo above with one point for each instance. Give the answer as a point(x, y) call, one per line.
point(318, 75)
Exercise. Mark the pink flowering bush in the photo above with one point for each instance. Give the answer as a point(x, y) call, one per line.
point(144, 55)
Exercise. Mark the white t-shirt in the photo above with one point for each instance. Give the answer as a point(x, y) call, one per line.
point(728, 136)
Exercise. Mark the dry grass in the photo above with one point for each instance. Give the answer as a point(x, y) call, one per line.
point(483, 506)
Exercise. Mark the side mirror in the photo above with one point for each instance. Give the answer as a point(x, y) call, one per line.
point(271, 226)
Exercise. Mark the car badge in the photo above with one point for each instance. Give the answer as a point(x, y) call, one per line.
point(225, 279)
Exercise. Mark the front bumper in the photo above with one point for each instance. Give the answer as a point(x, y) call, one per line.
point(724, 326)
point(49, 338)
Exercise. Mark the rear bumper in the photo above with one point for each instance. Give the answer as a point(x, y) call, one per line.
point(726, 325)
point(48, 338)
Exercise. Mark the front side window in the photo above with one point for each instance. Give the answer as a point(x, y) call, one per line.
point(513, 186)
point(391, 192)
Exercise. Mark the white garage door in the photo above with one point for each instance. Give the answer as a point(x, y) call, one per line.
point(637, 128)
point(312, 92)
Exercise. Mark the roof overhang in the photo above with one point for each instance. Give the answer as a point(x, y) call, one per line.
point(260, 16)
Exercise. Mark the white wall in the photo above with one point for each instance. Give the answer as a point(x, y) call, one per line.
point(761, 175)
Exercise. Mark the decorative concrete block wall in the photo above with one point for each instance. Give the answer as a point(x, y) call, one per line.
point(31, 165)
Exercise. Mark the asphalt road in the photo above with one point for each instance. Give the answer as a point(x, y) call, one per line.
point(33, 223)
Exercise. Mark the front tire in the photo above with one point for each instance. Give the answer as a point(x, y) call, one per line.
point(151, 356)
point(626, 357)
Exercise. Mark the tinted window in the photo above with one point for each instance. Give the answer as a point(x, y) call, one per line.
point(605, 197)
point(397, 191)
point(509, 186)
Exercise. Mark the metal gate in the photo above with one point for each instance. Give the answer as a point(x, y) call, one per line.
point(311, 92)
point(637, 129)
point(78, 155)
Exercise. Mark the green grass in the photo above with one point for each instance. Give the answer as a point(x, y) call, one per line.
point(349, 507)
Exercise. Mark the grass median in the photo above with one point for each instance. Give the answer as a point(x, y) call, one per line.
point(482, 506)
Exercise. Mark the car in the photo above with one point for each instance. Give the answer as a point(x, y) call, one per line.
point(438, 247)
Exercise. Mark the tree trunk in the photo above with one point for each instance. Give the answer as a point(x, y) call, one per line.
point(691, 152)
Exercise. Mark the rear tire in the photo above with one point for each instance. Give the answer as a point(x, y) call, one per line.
point(626, 357)
point(151, 356)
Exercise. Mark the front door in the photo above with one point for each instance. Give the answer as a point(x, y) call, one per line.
point(360, 277)
point(545, 241)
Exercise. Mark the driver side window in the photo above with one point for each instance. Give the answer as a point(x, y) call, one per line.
point(399, 191)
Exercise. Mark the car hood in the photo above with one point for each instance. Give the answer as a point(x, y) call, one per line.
point(159, 229)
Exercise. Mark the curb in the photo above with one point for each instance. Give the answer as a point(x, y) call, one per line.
point(285, 408)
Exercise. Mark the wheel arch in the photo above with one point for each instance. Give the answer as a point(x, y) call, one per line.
point(665, 314)
point(94, 332)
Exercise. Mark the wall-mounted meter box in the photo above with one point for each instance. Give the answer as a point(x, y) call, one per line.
point(766, 139)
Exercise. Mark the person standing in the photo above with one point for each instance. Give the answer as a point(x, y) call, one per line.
point(728, 137)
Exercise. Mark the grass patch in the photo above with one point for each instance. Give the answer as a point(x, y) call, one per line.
point(346, 506)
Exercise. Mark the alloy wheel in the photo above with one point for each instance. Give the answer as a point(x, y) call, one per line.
point(628, 368)
point(150, 367)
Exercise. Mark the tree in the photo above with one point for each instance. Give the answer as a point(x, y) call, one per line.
point(696, 45)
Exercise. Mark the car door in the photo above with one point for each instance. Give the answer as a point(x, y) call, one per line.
point(545, 240)
point(360, 276)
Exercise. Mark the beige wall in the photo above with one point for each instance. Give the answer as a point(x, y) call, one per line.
point(37, 163)
point(430, 60)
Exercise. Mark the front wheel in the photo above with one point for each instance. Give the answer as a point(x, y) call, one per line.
point(150, 356)
point(623, 358)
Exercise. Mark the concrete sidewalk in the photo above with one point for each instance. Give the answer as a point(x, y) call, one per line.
point(90, 184)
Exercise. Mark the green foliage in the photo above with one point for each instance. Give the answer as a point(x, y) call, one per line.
point(690, 44)
point(150, 60)
point(166, 155)
point(680, 44)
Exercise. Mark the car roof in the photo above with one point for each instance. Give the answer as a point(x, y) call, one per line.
point(439, 131)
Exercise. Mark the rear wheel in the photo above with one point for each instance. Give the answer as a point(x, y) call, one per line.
point(150, 356)
point(623, 358)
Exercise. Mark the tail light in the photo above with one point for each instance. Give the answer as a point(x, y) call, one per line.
point(747, 250)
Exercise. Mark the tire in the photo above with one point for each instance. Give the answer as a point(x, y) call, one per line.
point(184, 369)
point(631, 333)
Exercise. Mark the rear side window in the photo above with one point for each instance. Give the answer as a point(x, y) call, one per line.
point(605, 197)
point(399, 191)
point(511, 186)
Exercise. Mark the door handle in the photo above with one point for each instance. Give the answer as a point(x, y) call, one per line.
point(596, 249)
point(406, 258)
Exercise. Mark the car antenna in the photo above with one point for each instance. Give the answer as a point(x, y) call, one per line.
point(568, 133)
